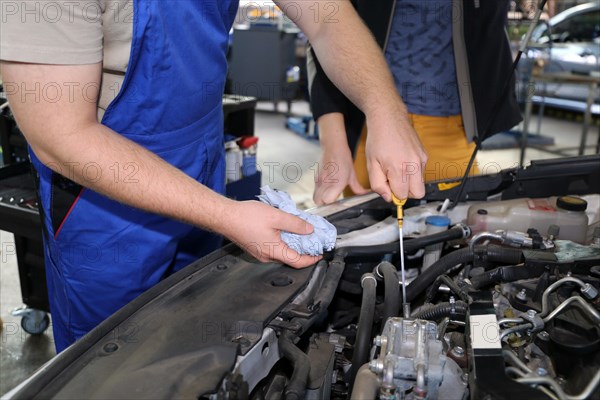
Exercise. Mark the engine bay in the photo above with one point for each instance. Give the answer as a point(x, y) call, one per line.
point(501, 314)
point(504, 314)
point(502, 295)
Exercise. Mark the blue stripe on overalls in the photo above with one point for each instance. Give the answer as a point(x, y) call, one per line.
point(106, 253)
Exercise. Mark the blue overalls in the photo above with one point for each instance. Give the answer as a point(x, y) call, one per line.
point(101, 254)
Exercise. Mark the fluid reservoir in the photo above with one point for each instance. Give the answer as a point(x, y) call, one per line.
point(435, 224)
point(567, 212)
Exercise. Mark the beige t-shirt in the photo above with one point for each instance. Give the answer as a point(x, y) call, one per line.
point(70, 32)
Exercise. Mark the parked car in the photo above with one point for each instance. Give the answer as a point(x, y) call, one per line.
point(568, 42)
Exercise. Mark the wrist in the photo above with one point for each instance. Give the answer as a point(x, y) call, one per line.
point(218, 214)
point(394, 119)
point(388, 110)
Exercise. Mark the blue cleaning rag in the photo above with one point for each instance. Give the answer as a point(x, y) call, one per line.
point(322, 238)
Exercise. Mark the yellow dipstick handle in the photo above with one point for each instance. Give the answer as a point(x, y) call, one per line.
point(399, 204)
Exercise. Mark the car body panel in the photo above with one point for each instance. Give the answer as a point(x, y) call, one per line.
point(177, 340)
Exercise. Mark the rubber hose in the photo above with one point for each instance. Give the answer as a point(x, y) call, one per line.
point(367, 253)
point(442, 310)
point(410, 246)
point(414, 245)
point(391, 302)
point(365, 324)
point(366, 385)
point(276, 388)
point(508, 255)
point(440, 267)
point(502, 274)
point(454, 288)
point(296, 388)
point(330, 282)
point(325, 294)
point(490, 253)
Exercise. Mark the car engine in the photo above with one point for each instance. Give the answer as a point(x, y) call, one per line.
point(502, 302)
point(501, 314)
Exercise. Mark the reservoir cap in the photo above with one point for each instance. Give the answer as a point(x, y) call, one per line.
point(437, 220)
point(571, 203)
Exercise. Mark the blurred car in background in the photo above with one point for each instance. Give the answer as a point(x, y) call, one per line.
point(568, 43)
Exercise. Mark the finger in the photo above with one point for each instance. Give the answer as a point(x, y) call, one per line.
point(296, 260)
point(399, 184)
point(318, 196)
point(404, 177)
point(416, 185)
point(379, 182)
point(291, 223)
point(419, 195)
point(417, 188)
point(306, 261)
point(323, 194)
point(331, 194)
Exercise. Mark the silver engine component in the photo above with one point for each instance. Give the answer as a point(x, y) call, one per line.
point(411, 365)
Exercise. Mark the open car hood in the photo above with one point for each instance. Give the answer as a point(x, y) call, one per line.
point(182, 337)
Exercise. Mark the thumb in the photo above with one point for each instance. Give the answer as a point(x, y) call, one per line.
point(318, 195)
point(331, 194)
point(293, 224)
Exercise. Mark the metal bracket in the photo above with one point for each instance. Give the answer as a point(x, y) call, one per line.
point(536, 321)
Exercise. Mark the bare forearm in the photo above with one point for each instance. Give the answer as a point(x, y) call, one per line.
point(98, 158)
point(332, 132)
point(352, 59)
point(67, 137)
point(355, 64)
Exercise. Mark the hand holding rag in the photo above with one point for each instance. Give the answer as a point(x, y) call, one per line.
point(323, 236)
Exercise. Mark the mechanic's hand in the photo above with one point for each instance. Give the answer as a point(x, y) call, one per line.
point(395, 157)
point(256, 228)
point(336, 171)
point(336, 168)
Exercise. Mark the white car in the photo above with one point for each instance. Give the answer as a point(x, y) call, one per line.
point(568, 42)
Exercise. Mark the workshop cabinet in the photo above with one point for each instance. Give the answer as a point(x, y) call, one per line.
point(263, 64)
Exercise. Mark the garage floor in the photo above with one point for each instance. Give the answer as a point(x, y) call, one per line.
point(288, 163)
